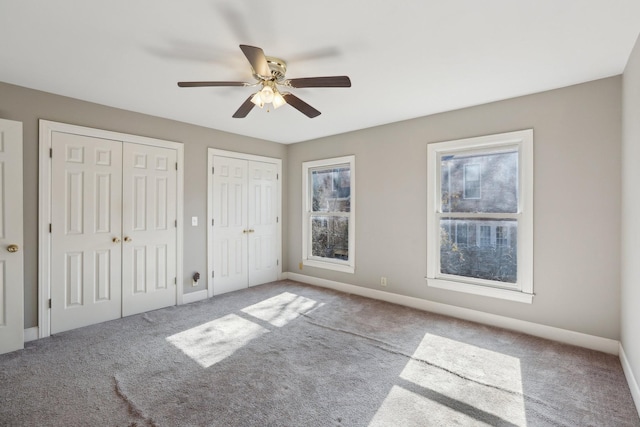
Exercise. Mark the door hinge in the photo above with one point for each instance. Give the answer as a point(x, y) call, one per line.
point(212, 170)
point(277, 262)
point(50, 153)
point(50, 228)
point(176, 223)
point(49, 302)
point(213, 222)
point(277, 219)
point(175, 280)
point(277, 176)
point(213, 274)
point(176, 165)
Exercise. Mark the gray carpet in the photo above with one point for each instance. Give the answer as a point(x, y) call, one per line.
point(287, 354)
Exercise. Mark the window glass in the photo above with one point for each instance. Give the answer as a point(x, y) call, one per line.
point(331, 189)
point(489, 260)
point(462, 175)
point(330, 237)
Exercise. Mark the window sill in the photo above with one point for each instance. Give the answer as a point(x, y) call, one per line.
point(486, 291)
point(329, 266)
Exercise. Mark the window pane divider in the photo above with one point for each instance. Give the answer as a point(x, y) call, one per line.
point(478, 215)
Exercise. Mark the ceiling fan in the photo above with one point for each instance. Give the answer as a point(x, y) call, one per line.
point(270, 74)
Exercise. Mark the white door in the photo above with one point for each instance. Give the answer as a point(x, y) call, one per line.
point(244, 204)
point(262, 212)
point(229, 224)
point(11, 238)
point(114, 229)
point(85, 230)
point(149, 228)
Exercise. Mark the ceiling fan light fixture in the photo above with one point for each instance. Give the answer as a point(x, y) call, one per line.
point(257, 99)
point(278, 100)
point(266, 94)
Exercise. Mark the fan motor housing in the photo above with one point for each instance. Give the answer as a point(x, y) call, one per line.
point(278, 68)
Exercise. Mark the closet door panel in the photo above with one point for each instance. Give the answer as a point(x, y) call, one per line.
point(229, 224)
point(262, 209)
point(149, 228)
point(85, 228)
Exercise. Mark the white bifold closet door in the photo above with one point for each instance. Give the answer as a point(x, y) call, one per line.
point(244, 223)
point(113, 230)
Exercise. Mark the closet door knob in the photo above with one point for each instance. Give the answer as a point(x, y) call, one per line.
point(128, 239)
point(13, 248)
point(116, 240)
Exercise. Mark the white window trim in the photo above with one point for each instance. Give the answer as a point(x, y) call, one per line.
point(522, 291)
point(348, 266)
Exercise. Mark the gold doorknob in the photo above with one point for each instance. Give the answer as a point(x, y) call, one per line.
point(116, 240)
point(13, 248)
point(127, 239)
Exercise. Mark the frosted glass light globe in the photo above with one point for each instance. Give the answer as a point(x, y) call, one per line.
point(266, 94)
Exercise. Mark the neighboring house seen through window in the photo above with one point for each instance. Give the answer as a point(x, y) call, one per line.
point(329, 214)
point(482, 187)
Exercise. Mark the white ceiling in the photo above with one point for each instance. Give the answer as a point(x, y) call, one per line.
point(405, 58)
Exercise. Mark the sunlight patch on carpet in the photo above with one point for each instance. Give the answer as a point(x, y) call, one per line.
point(214, 341)
point(464, 378)
point(281, 309)
point(404, 408)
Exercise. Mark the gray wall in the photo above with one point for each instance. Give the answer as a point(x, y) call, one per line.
point(28, 106)
point(577, 135)
point(631, 212)
point(577, 156)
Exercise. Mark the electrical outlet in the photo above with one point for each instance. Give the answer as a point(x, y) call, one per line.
point(300, 266)
point(383, 281)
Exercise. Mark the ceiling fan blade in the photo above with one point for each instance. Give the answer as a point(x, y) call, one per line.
point(332, 81)
point(199, 84)
point(258, 61)
point(244, 109)
point(301, 106)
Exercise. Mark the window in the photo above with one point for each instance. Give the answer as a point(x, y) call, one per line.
point(328, 223)
point(472, 181)
point(480, 215)
point(501, 238)
point(485, 235)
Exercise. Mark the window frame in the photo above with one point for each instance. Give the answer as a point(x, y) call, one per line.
point(522, 290)
point(308, 259)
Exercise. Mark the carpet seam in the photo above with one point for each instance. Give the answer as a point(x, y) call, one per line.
point(133, 409)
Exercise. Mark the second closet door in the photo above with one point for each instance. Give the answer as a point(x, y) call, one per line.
point(244, 223)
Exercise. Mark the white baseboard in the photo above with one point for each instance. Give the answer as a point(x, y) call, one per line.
point(195, 296)
point(549, 332)
point(31, 334)
point(631, 379)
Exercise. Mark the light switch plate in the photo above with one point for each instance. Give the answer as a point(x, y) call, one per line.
point(194, 221)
